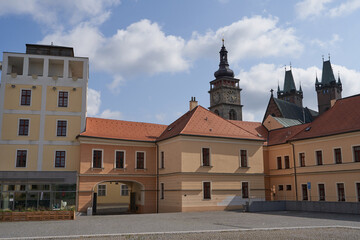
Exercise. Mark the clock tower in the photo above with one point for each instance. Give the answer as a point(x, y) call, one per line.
point(225, 91)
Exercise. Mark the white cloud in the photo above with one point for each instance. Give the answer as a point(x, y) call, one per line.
point(114, 86)
point(255, 37)
point(327, 44)
point(345, 8)
point(310, 8)
point(93, 102)
point(160, 117)
point(109, 114)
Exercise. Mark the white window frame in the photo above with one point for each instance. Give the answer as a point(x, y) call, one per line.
point(202, 157)
point(136, 152)
point(67, 127)
point(102, 190)
point(68, 99)
point(19, 127)
point(58, 150)
point(162, 191)
point(337, 191)
point(248, 189)
point(102, 158)
point(247, 158)
point(119, 150)
point(203, 192)
point(341, 154)
point(322, 156)
point(318, 190)
point(27, 157)
point(121, 190)
point(30, 97)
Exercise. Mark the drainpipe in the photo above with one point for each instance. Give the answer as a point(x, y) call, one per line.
point(157, 177)
point(293, 151)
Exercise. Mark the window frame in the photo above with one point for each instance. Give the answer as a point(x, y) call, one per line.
point(162, 191)
point(105, 190)
point(317, 159)
point(57, 126)
point(55, 158)
point(337, 191)
point(353, 153)
point(202, 157)
point(286, 162)
point(162, 159)
point(115, 159)
point(207, 197)
point(28, 132)
point(287, 187)
point(92, 158)
point(281, 187)
point(357, 191)
point(124, 190)
point(242, 190)
point(318, 188)
point(67, 98)
point(26, 157)
point(246, 165)
point(302, 192)
point(279, 163)
point(335, 155)
point(136, 160)
point(302, 162)
point(21, 94)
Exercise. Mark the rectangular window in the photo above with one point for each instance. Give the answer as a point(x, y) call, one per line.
point(124, 190)
point(162, 189)
point(63, 99)
point(25, 97)
point(162, 161)
point(279, 165)
point(243, 158)
point(21, 156)
point(337, 155)
point(206, 190)
point(304, 192)
point(60, 159)
point(341, 192)
point(288, 187)
point(356, 150)
point(245, 190)
point(206, 157)
point(119, 159)
point(302, 159)
point(319, 160)
point(140, 160)
point(97, 159)
point(321, 192)
point(24, 127)
point(281, 187)
point(61, 128)
point(101, 190)
point(287, 162)
point(358, 191)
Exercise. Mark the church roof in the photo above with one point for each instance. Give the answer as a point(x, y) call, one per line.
point(122, 130)
point(327, 73)
point(286, 122)
point(202, 122)
point(289, 83)
point(293, 111)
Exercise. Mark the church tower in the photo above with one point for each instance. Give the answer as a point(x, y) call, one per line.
point(289, 92)
point(328, 89)
point(225, 91)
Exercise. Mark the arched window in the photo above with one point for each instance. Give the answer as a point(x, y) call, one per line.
point(232, 115)
point(217, 112)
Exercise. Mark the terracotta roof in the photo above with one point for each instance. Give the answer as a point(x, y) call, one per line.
point(254, 128)
point(341, 118)
point(202, 122)
point(282, 135)
point(118, 129)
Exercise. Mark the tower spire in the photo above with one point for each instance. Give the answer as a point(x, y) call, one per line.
point(224, 70)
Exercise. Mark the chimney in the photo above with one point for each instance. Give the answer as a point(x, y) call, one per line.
point(332, 102)
point(193, 103)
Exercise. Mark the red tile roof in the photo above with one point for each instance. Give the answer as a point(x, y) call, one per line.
point(254, 128)
point(202, 122)
point(282, 135)
point(117, 129)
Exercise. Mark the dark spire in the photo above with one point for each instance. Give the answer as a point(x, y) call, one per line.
point(339, 81)
point(327, 73)
point(317, 80)
point(289, 83)
point(224, 70)
point(300, 89)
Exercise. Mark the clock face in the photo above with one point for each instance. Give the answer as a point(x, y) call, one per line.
point(231, 96)
point(216, 97)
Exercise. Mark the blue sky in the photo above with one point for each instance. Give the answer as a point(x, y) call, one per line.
point(148, 58)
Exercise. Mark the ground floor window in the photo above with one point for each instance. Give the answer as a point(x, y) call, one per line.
point(245, 189)
point(304, 192)
point(101, 190)
point(358, 191)
point(162, 189)
point(206, 190)
point(124, 190)
point(321, 192)
point(341, 192)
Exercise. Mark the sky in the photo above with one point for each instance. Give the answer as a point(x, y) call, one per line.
point(148, 58)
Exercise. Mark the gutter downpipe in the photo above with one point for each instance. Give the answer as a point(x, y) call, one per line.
point(296, 189)
point(157, 177)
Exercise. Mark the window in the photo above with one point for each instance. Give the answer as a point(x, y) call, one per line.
point(243, 158)
point(206, 157)
point(288, 187)
point(162, 188)
point(337, 155)
point(341, 192)
point(356, 150)
point(304, 192)
point(102, 190)
point(63, 99)
point(119, 159)
point(60, 159)
point(281, 187)
point(245, 189)
point(61, 128)
point(279, 165)
point(162, 160)
point(21, 158)
point(319, 160)
point(25, 97)
point(232, 115)
point(206, 190)
point(321, 192)
point(302, 159)
point(97, 159)
point(24, 127)
point(287, 162)
point(358, 191)
point(140, 160)
point(124, 190)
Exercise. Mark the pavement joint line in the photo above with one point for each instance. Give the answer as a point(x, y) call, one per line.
point(178, 232)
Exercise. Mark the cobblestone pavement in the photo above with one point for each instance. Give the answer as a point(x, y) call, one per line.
point(202, 225)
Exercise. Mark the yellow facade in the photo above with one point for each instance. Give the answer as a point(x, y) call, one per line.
point(8, 157)
point(73, 128)
point(11, 122)
point(13, 96)
point(113, 194)
point(74, 99)
point(71, 162)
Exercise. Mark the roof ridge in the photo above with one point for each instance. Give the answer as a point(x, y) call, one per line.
point(192, 110)
point(109, 119)
point(242, 128)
